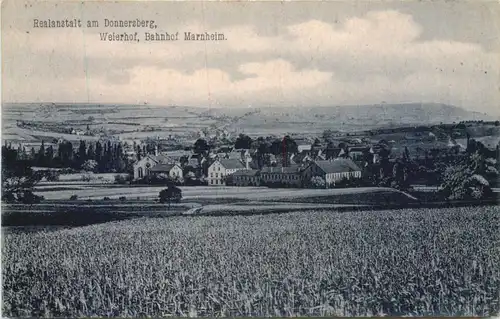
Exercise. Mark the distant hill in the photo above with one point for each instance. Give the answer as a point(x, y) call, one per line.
point(142, 120)
point(355, 115)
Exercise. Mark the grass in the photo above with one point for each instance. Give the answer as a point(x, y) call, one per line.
point(401, 262)
point(208, 192)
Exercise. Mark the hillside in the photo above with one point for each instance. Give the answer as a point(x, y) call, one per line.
point(350, 117)
point(134, 121)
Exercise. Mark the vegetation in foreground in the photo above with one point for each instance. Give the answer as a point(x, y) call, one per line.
point(401, 262)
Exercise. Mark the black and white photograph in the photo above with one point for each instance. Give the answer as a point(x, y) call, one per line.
point(250, 159)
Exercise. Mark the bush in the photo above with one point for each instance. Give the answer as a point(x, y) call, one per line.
point(52, 176)
point(153, 180)
point(90, 166)
point(120, 179)
point(106, 198)
point(27, 197)
point(87, 177)
point(73, 197)
point(9, 198)
point(170, 194)
point(123, 198)
point(317, 182)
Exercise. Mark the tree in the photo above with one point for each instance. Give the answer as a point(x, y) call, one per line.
point(82, 153)
point(466, 180)
point(49, 156)
point(90, 152)
point(243, 142)
point(327, 134)
point(139, 153)
point(90, 166)
point(40, 158)
point(290, 145)
point(318, 182)
point(170, 194)
point(98, 152)
point(18, 178)
point(263, 147)
point(284, 147)
point(200, 146)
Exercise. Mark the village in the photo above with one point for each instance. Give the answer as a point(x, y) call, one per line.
point(394, 157)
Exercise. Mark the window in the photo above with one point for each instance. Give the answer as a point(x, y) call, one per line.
point(212, 181)
point(212, 174)
point(218, 168)
point(216, 174)
point(216, 182)
point(140, 172)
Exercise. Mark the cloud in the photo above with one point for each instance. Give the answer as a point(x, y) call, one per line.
point(371, 58)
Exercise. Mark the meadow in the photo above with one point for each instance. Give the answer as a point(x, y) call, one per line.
point(399, 262)
point(98, 191)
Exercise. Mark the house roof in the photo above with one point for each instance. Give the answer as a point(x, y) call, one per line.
point(338, 166)
point(161, 159)
point(178, 154)
point(232, 155)
point(246, 172)
point(282, 170)
point(358, 148)
point(231, 163)
point(302, 142)
point(162, 167)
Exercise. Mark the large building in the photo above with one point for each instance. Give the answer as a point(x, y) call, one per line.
point(220, 169)
point(290, 176)
point(246, 177)
point(174, 171)
point(332, 171)
point(143, 167)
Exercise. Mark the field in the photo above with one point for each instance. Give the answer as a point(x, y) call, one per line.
point(95, 192)
point(399, 262)
point(142, 121)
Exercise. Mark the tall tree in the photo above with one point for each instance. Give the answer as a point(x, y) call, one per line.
point(98, 152)
point(18, 178)
point(139, 153)
point(40, 160)
point(90, 152)
point(49, 155)
point(33, 154)
point(200, 146)
point(82, 153)
point(243, 141)
point(467, 179)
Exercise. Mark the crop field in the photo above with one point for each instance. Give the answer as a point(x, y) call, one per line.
point(399, 262)
point(202, 192)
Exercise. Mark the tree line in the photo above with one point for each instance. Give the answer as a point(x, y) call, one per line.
point(108, 156)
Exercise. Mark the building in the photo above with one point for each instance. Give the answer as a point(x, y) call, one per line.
point(332, 171)
point(303, 145)
point(358, 152)
point(143, 167)
point(174, 171)
point(287, 176)
point(246, 177)
point(218, 171)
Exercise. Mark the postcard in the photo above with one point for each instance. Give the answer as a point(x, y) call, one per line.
point(250, 159)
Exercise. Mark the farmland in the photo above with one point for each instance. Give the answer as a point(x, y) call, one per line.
point(198, 192)
point(400, 262)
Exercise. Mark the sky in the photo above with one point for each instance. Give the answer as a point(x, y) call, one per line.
point(275, 54)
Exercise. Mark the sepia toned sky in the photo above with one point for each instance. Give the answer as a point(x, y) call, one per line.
point(276, 54)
